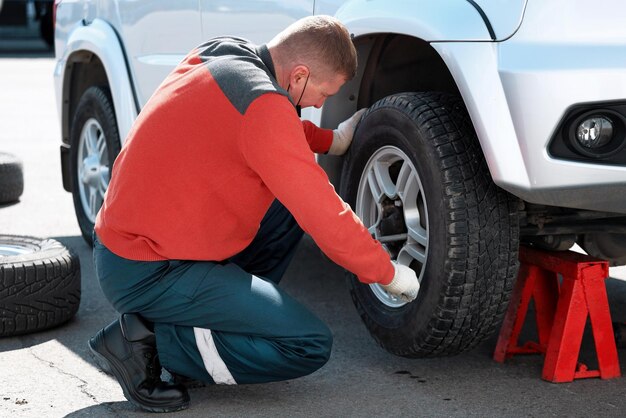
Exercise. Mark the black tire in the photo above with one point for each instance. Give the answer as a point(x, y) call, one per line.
point(11, 178)
point(472, 227)
point(95, 105)
point(39, 284)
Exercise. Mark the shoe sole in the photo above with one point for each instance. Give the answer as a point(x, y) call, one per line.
point(110, 367)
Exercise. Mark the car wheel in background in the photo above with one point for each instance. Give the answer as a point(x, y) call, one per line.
point(39, 284)
point(11, 178)
point(416, 176)
point(95, 144)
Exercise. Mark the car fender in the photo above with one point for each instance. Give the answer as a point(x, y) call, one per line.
point(442, 20)
point(474, 67)
point(459, 33)
point(100, 39)
point(505, 16)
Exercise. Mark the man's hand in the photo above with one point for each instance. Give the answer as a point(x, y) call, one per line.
point(404, 285)
point(342, 136)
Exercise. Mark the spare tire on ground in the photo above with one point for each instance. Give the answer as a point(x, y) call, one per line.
point(11, 178)
point(39, 284)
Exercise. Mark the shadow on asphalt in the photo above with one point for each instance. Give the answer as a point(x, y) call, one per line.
point(108, 409)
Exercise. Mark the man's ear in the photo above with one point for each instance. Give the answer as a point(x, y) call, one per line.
point(299, 73)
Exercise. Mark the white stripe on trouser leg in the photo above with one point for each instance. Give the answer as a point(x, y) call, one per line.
point(211, 358)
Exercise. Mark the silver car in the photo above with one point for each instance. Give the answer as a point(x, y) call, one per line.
point(491, 123)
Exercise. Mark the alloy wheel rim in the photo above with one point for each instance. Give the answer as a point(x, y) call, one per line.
point(8, 250)
point(392, 205)
point(93, 168)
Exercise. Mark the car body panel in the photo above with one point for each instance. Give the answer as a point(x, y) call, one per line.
point(430, 19)
point(243, 18)
point(449, 20)
point(157, 35)
point(518, 91)
point(505, 16)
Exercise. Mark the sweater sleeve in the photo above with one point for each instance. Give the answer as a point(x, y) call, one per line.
point(274, 146)
point(319, 139)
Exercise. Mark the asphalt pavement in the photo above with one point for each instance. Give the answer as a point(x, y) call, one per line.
point(52, 374)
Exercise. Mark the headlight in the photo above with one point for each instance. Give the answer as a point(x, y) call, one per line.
point(594, 132)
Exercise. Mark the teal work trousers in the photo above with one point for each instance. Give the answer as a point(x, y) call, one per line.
point(223, 322)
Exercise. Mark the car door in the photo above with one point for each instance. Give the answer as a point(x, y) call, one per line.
point(256, 20)
point(157, 34)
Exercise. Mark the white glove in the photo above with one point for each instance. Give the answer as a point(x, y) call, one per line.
point(404, 285)
point(342, 136)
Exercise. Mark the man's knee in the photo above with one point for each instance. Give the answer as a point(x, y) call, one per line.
point(319, 350)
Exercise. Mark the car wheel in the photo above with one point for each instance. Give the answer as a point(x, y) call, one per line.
point(95, 144)
point(39, 284)
point(417, 178)
point(11, 178)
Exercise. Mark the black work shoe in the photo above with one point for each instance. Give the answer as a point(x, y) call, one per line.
point(127, 348)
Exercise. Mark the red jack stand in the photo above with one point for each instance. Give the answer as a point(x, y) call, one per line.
point(561, 311)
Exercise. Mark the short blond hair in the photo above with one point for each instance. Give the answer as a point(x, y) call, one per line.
point(318, 42)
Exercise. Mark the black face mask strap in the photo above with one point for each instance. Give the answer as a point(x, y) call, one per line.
point(298, 107)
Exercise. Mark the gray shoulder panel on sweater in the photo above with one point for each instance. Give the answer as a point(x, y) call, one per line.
point(243, 71)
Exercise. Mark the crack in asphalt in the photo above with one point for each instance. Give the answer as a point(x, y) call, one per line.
point(82, 386)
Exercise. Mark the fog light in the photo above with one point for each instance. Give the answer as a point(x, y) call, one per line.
point(594, 132)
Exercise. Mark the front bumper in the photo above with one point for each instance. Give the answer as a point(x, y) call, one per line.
point(541, 85)
point(518, 92)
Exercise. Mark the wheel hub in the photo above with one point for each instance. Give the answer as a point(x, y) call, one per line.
point(392, 223)
point(391, 203)
point(93, 168)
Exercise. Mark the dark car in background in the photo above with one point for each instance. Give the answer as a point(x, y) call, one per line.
point(26, 13)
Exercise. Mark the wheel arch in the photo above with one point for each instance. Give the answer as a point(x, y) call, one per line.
point(415, 25)
point(94, 56)
point(389, 63)
point(459, 38)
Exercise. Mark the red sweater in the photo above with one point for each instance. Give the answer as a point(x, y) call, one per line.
point(217, 142)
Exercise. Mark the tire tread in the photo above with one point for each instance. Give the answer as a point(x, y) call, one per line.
point(41, 292)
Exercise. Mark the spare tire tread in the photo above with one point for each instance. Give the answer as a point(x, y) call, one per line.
point(40, 292)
